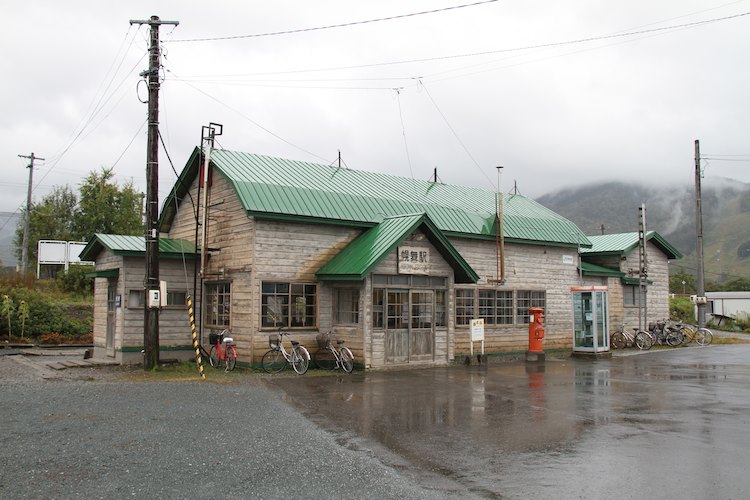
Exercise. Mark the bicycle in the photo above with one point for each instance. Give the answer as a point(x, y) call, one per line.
point(692, 333)
point(328, 357)
point(665, 333)
point(226, 355)
point(277, 358)
point(639, 338)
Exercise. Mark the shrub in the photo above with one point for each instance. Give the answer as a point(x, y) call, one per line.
point(74, 280)
point(48, 312)
point(681, 309)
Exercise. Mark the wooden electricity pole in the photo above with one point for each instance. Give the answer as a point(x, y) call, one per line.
point(701, 288)
point(27, 222)
point(151, 288)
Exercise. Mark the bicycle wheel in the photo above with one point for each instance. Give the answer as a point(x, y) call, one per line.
point(674, 338)
point(300, 359)
point(324, 359)
point(273, 361)
point(688, 334)
point(643, 341)
point(347, 359)
point(231, 358)
point(213, 357)
point(617, 340)
point(704, 336)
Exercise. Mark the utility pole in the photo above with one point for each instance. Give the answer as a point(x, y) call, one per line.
point(152, 289)
point(642, 270)
point(27, 222)
point(701, 288)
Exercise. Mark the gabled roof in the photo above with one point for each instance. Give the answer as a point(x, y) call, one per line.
point(135, 246)
point(276, 188)
point(622, 243)
point(366, 251)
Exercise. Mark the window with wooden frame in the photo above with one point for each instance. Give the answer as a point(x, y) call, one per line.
point(630, 295)
point(345, 306)
point(291, 305)
point(176, 299)
point(496, 307)
point(526, 299)
point(378, 308)
point(216, 304)
point(464, 306)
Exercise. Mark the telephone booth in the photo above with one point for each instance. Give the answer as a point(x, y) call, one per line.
point(590, 320)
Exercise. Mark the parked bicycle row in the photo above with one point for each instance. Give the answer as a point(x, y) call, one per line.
point(666, 332)
point(223, 353)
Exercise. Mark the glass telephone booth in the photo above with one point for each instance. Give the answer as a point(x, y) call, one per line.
point(590, 319)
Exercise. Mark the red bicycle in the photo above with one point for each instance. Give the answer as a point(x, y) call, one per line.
point(223, 351)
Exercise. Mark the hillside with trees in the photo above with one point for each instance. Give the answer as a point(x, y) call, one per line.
point(613, 208)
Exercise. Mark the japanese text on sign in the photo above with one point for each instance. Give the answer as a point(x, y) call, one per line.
point(413, 260)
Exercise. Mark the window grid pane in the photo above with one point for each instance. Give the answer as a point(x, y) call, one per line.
point(346, 306)
point(218, 299)
point(464, 306)
point(288, 305)
point(526, 299)
point(378, 297)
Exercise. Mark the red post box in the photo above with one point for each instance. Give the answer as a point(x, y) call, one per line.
point(536, 329)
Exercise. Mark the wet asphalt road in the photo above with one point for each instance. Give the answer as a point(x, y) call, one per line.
point(667, 424)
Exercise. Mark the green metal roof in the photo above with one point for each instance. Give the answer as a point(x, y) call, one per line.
point(366, 251)
point(287, 189)
point(622, 243)
point(135, 246)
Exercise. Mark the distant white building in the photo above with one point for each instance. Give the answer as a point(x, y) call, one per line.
point(727, 304)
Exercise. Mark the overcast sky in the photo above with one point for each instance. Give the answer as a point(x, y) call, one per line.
point(504, 82)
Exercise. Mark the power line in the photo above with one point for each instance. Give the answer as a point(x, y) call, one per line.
point(445, 119)
point(241, 114)
point(499, 51)
point(332, 26)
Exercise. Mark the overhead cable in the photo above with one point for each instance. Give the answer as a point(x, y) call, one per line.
point(332, 26)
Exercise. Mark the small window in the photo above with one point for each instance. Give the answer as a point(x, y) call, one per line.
point(441, 308)
point(346, 306)
point(176, 299)
point(378, 300)
point(136, 299)
point(630, 295)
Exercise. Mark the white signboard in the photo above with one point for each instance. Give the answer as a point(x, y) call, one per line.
point(568, 260)
point(52, 252)
point(477, 330)
point(413, 260)
point(74, 251)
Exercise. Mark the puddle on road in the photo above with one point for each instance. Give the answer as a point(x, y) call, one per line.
point(491, 429)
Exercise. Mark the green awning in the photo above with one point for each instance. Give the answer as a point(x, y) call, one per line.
point(104, 273)
point(590, 269)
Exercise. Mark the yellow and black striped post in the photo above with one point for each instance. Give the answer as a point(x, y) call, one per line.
point(198, 357)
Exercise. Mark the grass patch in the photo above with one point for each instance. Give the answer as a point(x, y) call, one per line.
point(730, 340)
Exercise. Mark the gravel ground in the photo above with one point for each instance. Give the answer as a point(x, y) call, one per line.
point(90, 433)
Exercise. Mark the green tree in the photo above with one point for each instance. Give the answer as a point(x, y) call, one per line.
point(676, 283)
point(51, 219)
point(736, 285)
point(105, 207)
point(101, 207)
